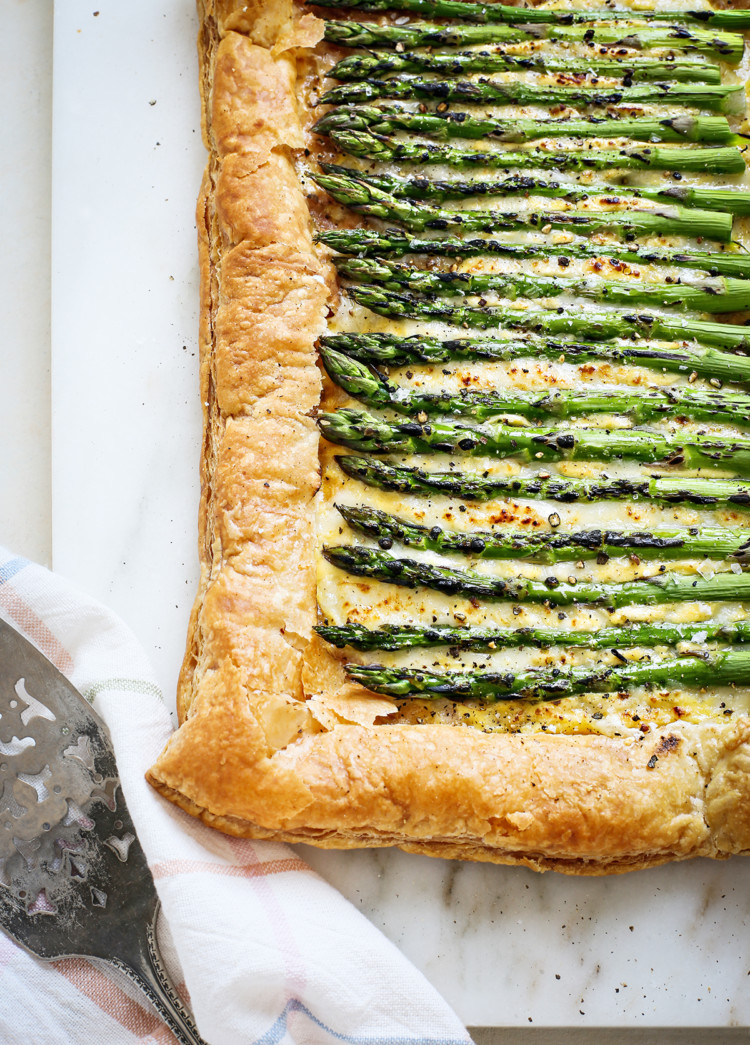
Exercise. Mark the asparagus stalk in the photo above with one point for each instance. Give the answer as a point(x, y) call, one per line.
point(734, 201)
point(511, 15)
point(723, 99)
point(394, 637)
point(643, 407)
point(630, 69)
point(391, 350)
point(721, 294)
point(365, 242)
point(365, 432)
point(441, 126)
point(666, 220)
point(390, 150)
point(724, 47)
point(596, 325)
point(664, 543)
point(469, 486)
point(724, 669)
point(658, 590)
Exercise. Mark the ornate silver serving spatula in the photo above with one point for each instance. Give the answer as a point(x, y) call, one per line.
point(73, 877)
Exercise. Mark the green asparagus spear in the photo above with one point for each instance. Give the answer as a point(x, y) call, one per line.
point(470, 486)
point(643, 407)
point(732, 200)
point(665, 220)
point(392, 350)
point(393, 242)
point(448, 63)
point(555, 546)
point(392, 150)
point(657, 590)
point(724, 669)
point(365, 432)
point(723, 99)
point(511, 15)
point(714, 295)
point(442, 126)
point(596, 325)
point(724, 47)
point(394, 637)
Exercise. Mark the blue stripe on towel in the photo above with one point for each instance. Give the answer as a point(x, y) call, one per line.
point(276, 1033)
point(11, 568)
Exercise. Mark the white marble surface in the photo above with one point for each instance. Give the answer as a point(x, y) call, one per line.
point(509, 947)
point(668, 947)
point(126, 161)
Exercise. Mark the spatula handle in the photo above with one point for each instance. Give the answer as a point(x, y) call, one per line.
point(144, 967)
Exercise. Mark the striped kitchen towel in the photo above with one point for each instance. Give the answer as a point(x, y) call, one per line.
point(266, 951)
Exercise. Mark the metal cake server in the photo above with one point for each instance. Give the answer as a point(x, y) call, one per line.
point(73, 877)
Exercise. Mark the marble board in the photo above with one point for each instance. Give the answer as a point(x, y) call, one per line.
point(506, 947)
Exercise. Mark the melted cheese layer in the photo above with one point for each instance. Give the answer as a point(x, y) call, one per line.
point(343, 598)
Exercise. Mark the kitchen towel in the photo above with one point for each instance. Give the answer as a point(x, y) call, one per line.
point(267, 952)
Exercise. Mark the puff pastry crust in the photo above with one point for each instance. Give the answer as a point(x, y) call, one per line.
point(273, 741)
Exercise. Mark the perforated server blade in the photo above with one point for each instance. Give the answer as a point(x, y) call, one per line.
point(73, 877)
